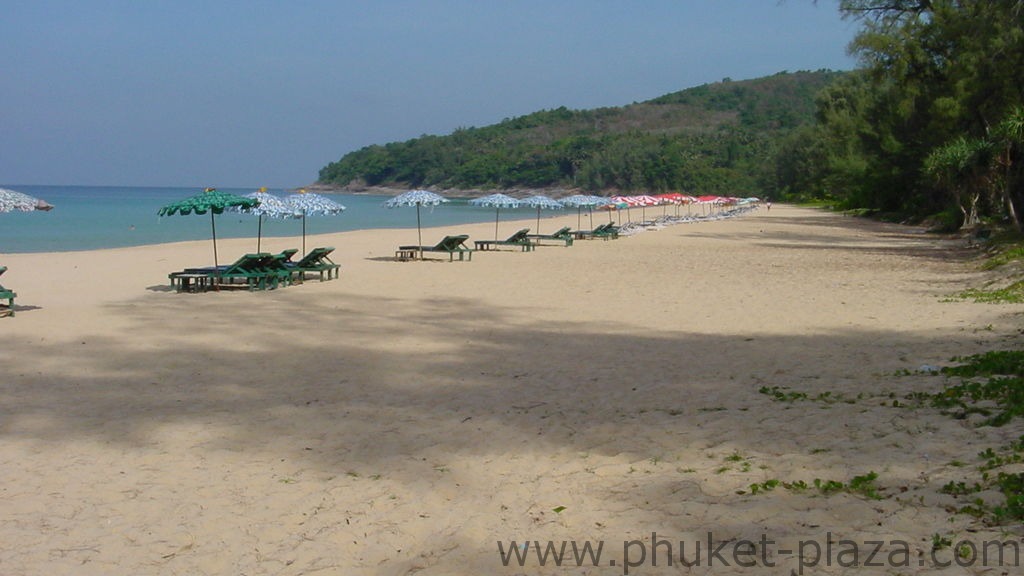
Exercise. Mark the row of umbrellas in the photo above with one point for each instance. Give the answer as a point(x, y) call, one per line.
point(298, 206)
point(260, 203)
point(303, 204)
point(498, 201)
point(580, 201)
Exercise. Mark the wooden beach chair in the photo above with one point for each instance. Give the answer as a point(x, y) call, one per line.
point(249, 271)
point(604, 231)
point(564, 235)
point(450, 245)
point(5, 294)
point(317, 261)
point(519, 239)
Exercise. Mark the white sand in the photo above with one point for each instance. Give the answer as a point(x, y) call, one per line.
point(406, 417)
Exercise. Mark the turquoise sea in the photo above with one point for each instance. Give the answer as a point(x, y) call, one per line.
point(96, 217)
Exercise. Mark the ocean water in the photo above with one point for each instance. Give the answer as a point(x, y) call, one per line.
point(96, 217)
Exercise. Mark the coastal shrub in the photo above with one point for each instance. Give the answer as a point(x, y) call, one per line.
point(945, 222)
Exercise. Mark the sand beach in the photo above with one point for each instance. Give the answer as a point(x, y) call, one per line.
point(410, 416)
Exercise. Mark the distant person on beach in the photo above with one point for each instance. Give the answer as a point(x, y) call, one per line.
point(768, 203)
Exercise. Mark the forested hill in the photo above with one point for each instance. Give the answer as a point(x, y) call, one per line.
point(715, 138)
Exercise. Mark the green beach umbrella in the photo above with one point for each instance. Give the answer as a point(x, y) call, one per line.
point(213, 201)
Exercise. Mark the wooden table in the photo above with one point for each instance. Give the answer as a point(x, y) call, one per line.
point(185, 282)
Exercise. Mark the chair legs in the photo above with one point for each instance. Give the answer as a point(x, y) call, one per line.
point(7, 310)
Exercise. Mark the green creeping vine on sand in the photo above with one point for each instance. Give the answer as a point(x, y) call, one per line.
point(784, 394)
point(989, 384)
point(992, 385)
point(863, 485)
point(1012, 294)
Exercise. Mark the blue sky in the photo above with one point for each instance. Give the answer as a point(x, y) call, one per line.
point(265, 93)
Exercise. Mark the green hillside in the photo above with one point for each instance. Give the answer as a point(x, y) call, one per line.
point(715, 138)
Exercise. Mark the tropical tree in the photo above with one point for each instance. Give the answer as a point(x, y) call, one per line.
point(1009, 137)
point(963, 167)
point(924, 125)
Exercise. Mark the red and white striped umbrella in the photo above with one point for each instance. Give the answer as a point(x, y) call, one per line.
point(627, 200)
point(645, 200)
point(670, 198)
point(641, 200)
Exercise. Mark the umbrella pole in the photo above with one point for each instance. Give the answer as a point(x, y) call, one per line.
point(303, 232)
point(419, 232)
point(579, 216)
point(259, 232)
point(538, 219)
point(496, 212)
point(216, 265)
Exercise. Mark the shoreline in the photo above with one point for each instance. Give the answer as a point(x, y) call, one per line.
point(82, 223)
point(405, 417)
point(295, 239)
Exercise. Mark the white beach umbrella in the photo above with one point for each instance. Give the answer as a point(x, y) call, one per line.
point(580, 200)
point(309, 204)
point(416, 198)
point(540, 201)
point(11, 201)
point(496, 201)
point(269, 206)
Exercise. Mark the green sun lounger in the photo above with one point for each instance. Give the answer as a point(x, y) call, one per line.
point(450, 245)
point(586, 234)
point(277, 271)
point(609, 232)
point(5, 294)
point(604, 231)
point(519, 239)
point(317, 261)
point(249, 271)
point(288, 254)
point(564, 235)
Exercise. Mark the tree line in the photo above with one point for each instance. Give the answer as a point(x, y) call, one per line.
point(930, 124)
point(932, 121)
point(714, 139)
